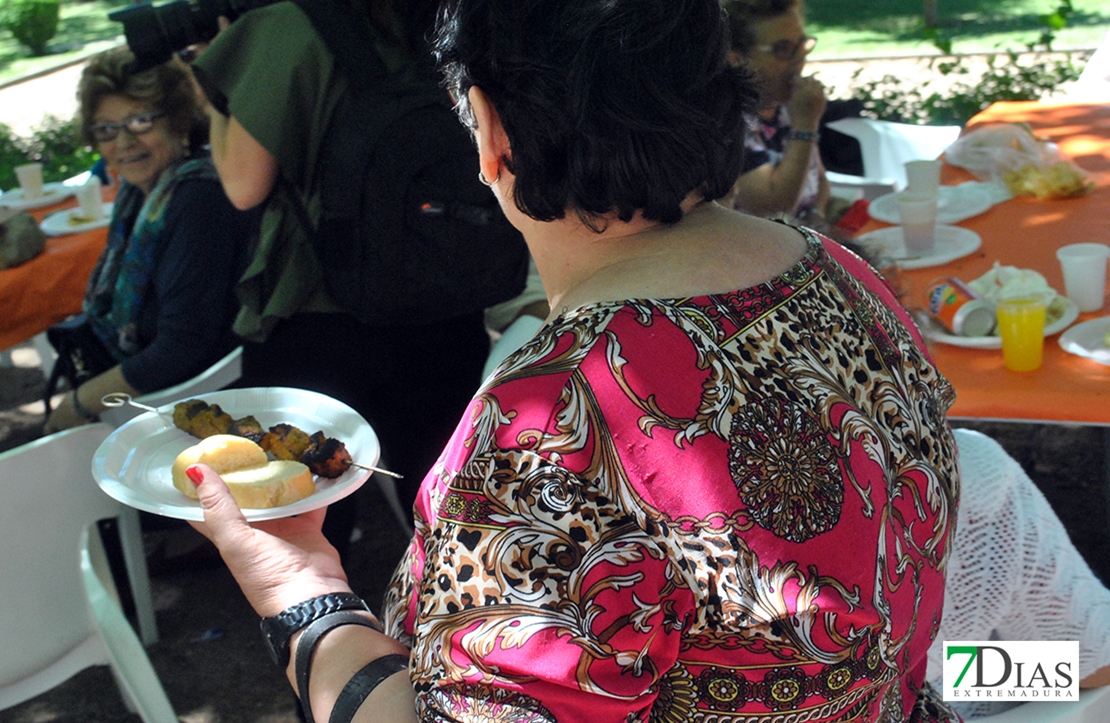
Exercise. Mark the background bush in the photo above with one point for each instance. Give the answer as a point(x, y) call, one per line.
point(55, 144)
point(32, 22)
point(1010, 76)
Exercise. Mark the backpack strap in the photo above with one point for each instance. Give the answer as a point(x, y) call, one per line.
point(350, 42)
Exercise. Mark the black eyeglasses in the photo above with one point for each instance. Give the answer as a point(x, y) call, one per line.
point(136, 125)
point(788, 49)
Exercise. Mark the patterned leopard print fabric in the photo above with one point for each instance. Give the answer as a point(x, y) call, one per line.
point(726, 508)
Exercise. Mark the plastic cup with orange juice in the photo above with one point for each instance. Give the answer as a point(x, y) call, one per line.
point(1021, 320)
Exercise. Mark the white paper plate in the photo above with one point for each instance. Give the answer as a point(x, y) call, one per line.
point(51, 193)
point(937, 333)
point(58, 223)
point(133, 464)
point(1088, 340)
point(954, 204)
point(952, 242)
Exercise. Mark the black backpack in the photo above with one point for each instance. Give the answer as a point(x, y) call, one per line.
point(407, 233)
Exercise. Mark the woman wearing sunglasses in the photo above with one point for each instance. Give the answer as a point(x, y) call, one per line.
point(160, 301)
point(783, 174)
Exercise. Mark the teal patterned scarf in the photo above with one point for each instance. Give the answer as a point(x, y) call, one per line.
point(137, 238)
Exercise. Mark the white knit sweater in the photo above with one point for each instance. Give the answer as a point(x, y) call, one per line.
point(1014, 574)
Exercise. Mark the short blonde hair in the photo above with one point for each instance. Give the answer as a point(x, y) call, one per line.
point(167, 86)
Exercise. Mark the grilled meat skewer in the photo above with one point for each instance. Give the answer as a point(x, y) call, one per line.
point(324, 456)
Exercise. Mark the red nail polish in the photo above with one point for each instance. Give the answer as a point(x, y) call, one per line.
point(195, 475)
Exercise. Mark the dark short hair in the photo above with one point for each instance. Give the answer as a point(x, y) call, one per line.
point(167, 86)
point(609, 105)
point(742, 13)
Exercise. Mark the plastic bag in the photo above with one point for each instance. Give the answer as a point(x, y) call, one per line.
point(1010, 155)
point(20, 238)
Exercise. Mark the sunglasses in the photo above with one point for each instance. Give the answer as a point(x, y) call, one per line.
point(136, 125)
point(788, 49)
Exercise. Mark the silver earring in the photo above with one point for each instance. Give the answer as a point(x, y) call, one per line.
point(484, 182)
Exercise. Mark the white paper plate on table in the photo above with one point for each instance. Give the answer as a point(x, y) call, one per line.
point(133, 465)
point(69, 220)
point(954, 204)
point(935, 332)
point(51, 193)
point(1088, 340)
point(952, 242)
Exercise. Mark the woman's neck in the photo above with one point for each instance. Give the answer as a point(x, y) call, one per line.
point(711, 250)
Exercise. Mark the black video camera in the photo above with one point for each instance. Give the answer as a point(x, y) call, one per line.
point(154, 34)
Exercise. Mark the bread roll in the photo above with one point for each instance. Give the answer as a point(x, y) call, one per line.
point(254, 482)
point(273, 484)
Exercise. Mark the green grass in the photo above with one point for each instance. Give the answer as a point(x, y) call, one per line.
point(83, 23)
point(859, 28)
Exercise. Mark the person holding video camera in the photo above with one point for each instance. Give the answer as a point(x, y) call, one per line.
point(274, 92)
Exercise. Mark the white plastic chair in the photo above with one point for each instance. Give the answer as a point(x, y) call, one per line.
point(138, 682)
point(1092, 707)
point(212, 379)
point(1093, 85)
point(54, 623)
point(885, 146)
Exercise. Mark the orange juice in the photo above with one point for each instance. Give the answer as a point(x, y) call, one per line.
point(1021, 326)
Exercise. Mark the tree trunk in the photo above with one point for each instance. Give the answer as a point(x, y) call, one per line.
point(930, 13)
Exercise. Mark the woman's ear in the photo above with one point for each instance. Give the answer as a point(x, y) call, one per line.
point(493, 144)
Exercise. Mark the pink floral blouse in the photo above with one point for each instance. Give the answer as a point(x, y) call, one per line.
point(726, 508)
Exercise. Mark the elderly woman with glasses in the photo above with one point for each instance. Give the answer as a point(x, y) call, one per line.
point(783, 173)
point(161, 299)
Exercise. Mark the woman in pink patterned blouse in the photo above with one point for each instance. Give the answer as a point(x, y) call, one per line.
point(717, 485)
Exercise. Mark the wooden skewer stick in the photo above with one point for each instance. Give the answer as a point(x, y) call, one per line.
point(118, 399)
point(378, 469)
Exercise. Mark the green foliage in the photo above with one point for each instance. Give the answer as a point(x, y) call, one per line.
point(1009, 76)
point(55, 144)
point(32, 22)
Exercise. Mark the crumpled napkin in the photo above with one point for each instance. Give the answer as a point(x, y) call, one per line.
point(1006, 280)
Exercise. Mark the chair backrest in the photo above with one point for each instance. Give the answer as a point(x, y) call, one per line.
point(1093, 85)
point(212, 379)
point(134, 673)
point(49, 498)
point(886, 146)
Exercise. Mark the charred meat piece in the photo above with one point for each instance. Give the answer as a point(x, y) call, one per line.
point(295, 440)
point(201, 419)
point(275, 446)
point(328, 457)
point(248, 427)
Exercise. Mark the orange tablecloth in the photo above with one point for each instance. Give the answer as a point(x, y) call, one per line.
point(1026, 233)
point(49, 287)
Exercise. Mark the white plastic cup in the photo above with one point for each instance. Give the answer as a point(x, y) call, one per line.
point(1084, 267)
point(91, 200)
point(918, 213)
point(30, 180)
point(922, 176)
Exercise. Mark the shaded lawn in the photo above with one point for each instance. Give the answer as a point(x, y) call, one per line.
point(82, 23)
point(853, 28)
